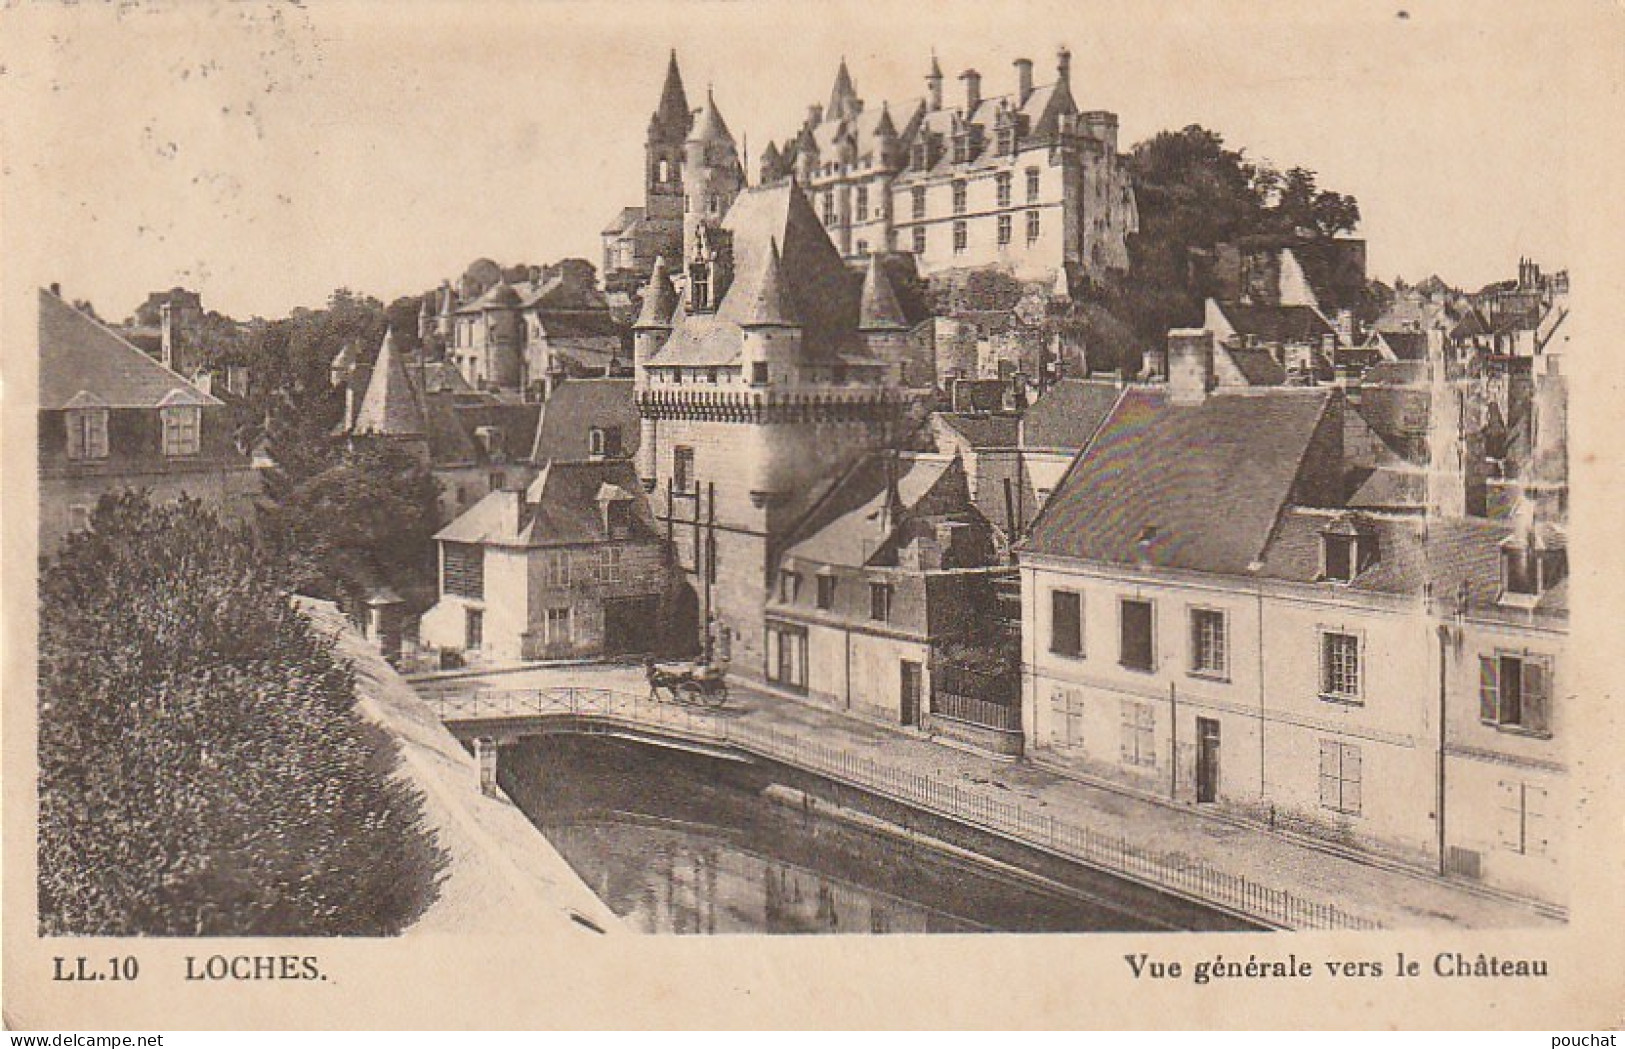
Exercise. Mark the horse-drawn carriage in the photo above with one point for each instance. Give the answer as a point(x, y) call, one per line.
point(698, 684)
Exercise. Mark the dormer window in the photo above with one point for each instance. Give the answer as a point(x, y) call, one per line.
point(1530, 566)
point(604, 442)
point(1346, 550)
point(789, 586)
point(492, 443)
point(617, 511)
point(699, 286)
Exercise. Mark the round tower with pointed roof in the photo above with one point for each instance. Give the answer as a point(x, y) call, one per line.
point(712, 173)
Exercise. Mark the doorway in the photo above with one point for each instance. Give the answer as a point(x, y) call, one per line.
point(1207, 759)
point(910, 692)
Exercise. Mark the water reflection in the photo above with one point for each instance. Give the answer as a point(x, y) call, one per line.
point(663, 879)
point(675, 843)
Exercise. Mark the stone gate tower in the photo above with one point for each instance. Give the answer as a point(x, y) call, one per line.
point(774, 370)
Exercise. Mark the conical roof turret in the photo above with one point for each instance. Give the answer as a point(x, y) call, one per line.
point(884, 128)
point(843, 98)
point(390, 407)
point(659, 300)
point(765, 303)
point(709, 125)
point(879, 309)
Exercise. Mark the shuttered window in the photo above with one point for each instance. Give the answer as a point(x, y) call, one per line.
point(1340, 777)
point(1139, 740)
point(1514, 691)
point(463, 570)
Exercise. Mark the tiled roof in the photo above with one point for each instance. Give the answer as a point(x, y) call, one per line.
point(562, 507)
point(80, 355)
point(574, 408)
point(1068, 414)
point(1277, 324)
point(851, 525)
point(1202, 484)
point(984, 430)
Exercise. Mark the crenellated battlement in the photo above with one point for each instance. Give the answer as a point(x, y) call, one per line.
point(778, 405)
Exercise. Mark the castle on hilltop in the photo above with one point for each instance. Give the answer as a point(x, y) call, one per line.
point(1024, 182)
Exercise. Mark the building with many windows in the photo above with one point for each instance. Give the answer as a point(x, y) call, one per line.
point(1205, 618)
point(1024, 182)
point(892, 568)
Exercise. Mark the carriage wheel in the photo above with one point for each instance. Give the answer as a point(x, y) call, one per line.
point(715, 697)
point(691, 692)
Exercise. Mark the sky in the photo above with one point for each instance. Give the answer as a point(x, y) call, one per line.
point(265, 154)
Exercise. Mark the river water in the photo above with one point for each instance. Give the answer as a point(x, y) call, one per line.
point(679, 843)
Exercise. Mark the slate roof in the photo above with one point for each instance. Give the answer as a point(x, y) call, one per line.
point(1043, 111)
point(1210, 479)
point(984, 430)
point(1392, 486)
point(577, 405)
point(822, 293)
point(659, 299)
point(1277, 324)
point(628, 218)
point(561, 508)
point(850, 526)
point(81, 356)
point(516, 421)
point(1415, 557)
point(878, 308)
point(1407, 345)
point(1068, 414)
point(390, 406)
point(672, 116)
point(1256, 365)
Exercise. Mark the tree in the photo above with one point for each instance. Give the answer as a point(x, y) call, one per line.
point(202, 768)
point(1193, 195)
point(366, 518)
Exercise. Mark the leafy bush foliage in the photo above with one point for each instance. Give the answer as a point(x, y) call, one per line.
point(202, 769)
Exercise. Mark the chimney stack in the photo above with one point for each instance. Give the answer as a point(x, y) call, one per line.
point(1024, 80)
point(973, 90)
point(1063, 64)
point(1190, 365)
point(815, 114)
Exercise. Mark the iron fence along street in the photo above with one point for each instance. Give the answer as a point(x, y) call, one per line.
point(1174, 873)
